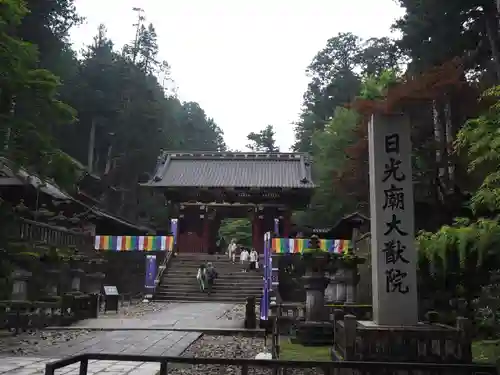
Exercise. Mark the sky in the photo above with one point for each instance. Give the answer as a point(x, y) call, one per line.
point(243, 61)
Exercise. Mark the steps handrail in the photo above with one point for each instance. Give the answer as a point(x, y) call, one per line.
point(162, 268)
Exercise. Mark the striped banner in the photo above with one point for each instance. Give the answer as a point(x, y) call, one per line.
point(134, 243)
point(297, 245)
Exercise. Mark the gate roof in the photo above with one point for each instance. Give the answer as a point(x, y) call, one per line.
point(233, 170)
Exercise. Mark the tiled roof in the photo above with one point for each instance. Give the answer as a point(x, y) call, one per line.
point(236, 170)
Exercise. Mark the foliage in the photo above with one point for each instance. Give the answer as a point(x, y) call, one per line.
point(30, 109)
point(466, 252)
point(433, 33)
point(239, 229)
point(336, 74)
point(341, 156)
point(120, 98)
point(263, 141)
point(480, 140)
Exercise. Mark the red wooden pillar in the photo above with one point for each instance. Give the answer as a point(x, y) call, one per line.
point(206, 233)
point(286, 224)
point(257, 233)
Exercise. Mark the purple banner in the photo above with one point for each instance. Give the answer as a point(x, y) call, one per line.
point(173, 229)
point(150, 271)
point(277, 227)
point(264, 304)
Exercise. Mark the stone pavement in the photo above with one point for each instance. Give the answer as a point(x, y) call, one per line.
point(36, 366)
point(123, 341)
point(178, 315)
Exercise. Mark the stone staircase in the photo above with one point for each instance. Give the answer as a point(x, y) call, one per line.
point(179, 283)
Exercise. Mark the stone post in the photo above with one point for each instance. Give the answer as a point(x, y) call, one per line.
point(394, 272)
point(350, 326)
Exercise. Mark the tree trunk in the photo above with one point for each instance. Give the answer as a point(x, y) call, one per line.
point(492, 26)
point(108, 159)
point(440, 141)
point(90, 156)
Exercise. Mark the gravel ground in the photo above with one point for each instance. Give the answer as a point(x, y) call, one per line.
point(136, 309)
point(29, 343)
point(238, 313)
point(227, 347)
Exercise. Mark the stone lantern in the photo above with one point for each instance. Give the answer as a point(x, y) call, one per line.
point(20, 279)
point(315, 330)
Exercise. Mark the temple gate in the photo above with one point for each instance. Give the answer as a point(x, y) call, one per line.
point(203, 188)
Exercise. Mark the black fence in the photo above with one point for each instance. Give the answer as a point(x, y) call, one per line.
point(247, 366)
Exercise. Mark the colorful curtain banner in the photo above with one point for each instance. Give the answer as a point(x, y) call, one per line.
point(277, 226)
point(150, 271)
point(297, 245)
point(173, 229)
point(134, 243)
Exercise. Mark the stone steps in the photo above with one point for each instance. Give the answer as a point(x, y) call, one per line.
point(220, 283)
point(206, 298)
point(179, 281)
point(186, 274)
point(216, 289)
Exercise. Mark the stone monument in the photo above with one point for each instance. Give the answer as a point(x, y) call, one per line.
point(393, 252)
point(395, 333)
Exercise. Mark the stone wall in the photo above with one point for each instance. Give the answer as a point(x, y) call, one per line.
point(126, 270)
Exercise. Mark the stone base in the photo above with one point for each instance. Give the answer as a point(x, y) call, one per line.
point(315, 334)
point(423, 342)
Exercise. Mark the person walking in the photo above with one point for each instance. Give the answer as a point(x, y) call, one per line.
point(254, 256)
point(231, 250)
point(201, 277)
point(211, 276)
point(244, 257)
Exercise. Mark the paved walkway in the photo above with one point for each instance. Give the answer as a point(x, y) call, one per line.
point(121, 340)
point(178, 316)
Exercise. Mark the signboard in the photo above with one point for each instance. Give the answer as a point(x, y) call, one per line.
point(394, 258)
point(111, 298)
point(110, 290)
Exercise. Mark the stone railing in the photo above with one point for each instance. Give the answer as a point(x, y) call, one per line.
point(290, 314)
point(297, 310)
point(34, 231)
point(19, 316)
point(426, 342)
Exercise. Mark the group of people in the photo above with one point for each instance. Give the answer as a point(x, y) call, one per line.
point(206, 277)
point(249, 259)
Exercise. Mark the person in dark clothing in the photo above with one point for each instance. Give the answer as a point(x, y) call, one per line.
point(211, 276)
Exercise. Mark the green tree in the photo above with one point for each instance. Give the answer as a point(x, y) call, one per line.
point(433, 33)
point(336, 74)
point(240, 229)
point(263, 141)
point(30, 109)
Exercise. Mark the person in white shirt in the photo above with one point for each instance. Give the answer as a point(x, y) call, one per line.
point(231, 249)
point(254, 257)
point(244, 255)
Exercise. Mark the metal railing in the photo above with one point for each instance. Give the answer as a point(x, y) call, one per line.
point(328, 368)
point(162, 268)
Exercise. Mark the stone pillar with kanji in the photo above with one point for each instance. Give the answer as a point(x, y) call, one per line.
point(393, 252)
